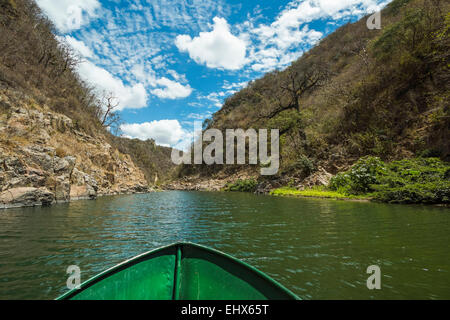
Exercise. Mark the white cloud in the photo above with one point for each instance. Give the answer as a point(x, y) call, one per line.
point(131, 97)
point(68, 14)
point(273, 44)
point(237, 85)
point(218, 48)
point(177, 76)
point(214, 98)
point(198, 116)
point(78, 46)
point(171, 90)
point(164, 132)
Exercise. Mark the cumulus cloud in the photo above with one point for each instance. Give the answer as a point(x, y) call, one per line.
point(291, 30)
point(164, 132)
point(68, 14)
point(218, 48)
point(171, 89)
point(131, 97)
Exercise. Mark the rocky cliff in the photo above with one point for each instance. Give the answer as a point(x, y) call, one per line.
point(44, 159)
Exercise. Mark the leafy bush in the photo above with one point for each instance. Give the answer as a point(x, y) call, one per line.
point(364, 174)
point(430, 153)
point(340, 183)
point(242, 186)
point(306, 165)
point(360, 178)
point(316, 192)
point(430, 193)
point(418, 180)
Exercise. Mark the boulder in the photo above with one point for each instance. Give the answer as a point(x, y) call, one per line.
point(62, 188)
point(39, 158)
point(13, 164)
point(319, 178)
point(64, 165)
point(82, 192)
point(25, 197)
point(83, 186)
point(64, 168)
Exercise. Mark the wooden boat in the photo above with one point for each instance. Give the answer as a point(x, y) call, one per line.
point(182, 271)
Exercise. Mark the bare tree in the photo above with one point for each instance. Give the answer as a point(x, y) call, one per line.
point(359, 47)
point(109, 117)
point(295, 86)
point(69, 59)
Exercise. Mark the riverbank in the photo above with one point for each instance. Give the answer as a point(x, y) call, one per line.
point(197, 183)
point(33, 197)
point(419, 180)
point(320, 193)
point(407, 181)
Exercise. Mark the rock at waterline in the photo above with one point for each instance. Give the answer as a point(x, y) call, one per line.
point(25, 197)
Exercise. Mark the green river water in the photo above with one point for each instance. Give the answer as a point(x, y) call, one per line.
point(320, 249)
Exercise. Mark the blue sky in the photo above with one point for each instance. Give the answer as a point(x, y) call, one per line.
point(173, 62)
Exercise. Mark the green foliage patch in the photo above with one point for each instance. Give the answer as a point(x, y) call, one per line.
point(417, 180)
point(317, 192)
point(249, 185)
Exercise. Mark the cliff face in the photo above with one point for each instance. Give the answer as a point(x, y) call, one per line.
point(44, 159)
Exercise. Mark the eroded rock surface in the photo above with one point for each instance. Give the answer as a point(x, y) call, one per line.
point(45, 159)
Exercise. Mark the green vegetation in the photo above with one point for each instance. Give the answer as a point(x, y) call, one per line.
point(153, 160)
point(360, 178)
point(418, 180)
point(318, 192)
point(249, 185)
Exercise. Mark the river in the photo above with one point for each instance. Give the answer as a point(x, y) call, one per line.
point(320, 249)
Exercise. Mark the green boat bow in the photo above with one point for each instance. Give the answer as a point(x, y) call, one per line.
point(182, 271)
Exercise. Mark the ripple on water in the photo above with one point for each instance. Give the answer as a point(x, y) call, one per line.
point(320, 249)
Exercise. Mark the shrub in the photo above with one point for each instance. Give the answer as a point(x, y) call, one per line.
point(340, 182)
point(60, 152)
point(430, 153)
point(418, 180)
point(438, 192)
point(364, 173)
point(306, 165)
point(242, 186)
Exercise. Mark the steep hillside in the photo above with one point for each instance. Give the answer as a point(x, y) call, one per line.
point(359, 92)
point(154, 161)
point(44, 158)
point(52, 145)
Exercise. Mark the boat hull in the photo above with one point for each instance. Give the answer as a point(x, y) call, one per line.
point(183, 271)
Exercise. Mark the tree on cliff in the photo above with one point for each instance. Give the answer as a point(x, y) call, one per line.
point(108, 115)
point(295, 85)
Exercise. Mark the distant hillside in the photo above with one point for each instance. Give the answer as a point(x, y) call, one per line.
point(154, 161)
point(358, 92)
